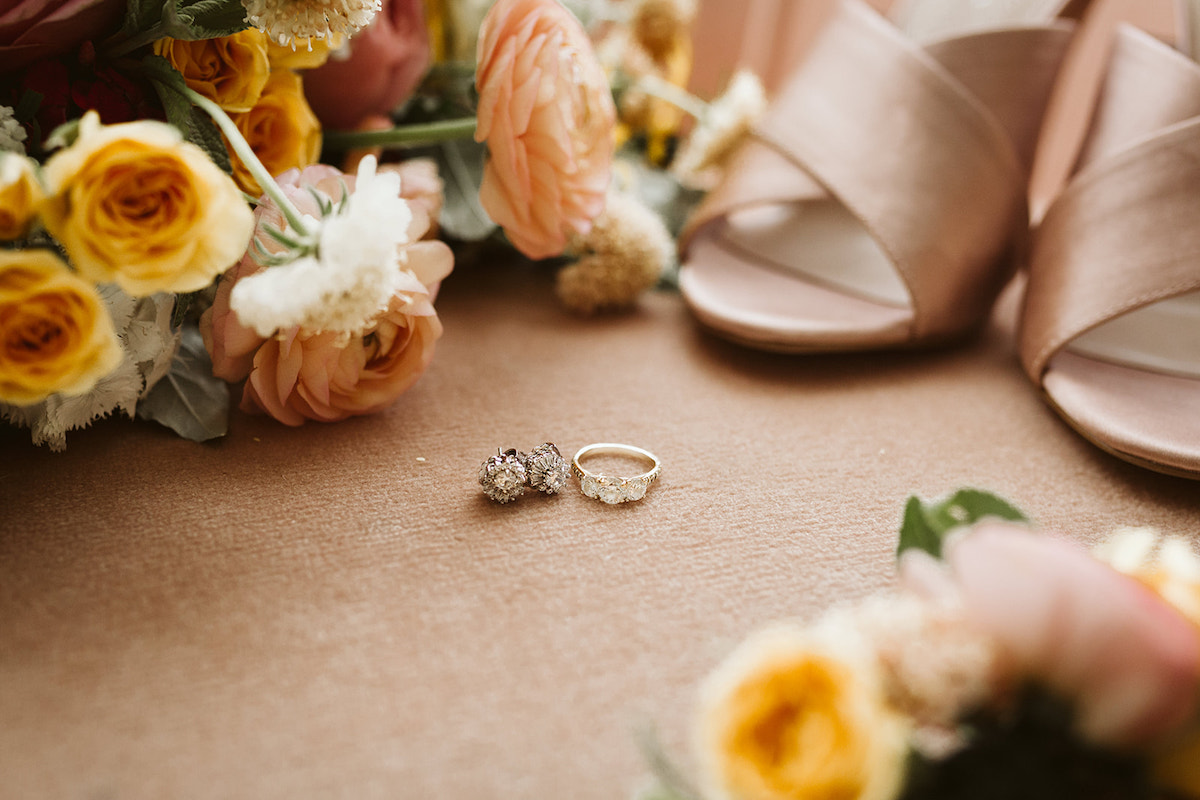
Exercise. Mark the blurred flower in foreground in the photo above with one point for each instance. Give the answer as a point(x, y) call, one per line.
point(342, 334)
point(55, 334)
point(383, 64)
point(20, 196)
point(135, 204)
point(1055, 612)
point(546, 113)
point(797, 713)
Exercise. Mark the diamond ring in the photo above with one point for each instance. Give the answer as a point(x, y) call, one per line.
point(611, 489)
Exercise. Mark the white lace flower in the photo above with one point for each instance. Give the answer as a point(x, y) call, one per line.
point(144, 329)
point(728, 119)
point(287, 21)
point(12, 135)
point(352, 278)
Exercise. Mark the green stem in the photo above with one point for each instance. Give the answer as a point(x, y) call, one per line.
point(243, 150)
point(118, 49)
point(664, 90)
point(402, 136)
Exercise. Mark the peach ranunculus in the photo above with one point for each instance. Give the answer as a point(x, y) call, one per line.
point(33, 29)
point(546, 112)
point(1066, 620)
point(386, 62)
point(55, 332)
point(299, 374)
point(799, 713)
point(20, 196)
point(281, 130)
point(136, 205)
point(229, 70)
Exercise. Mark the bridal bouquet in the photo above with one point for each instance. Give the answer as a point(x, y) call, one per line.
point(1008, 663)
point(197, 193)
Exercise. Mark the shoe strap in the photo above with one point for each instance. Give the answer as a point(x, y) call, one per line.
point(1124, 232)
point(918, 144)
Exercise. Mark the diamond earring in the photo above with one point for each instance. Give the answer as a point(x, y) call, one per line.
point(503, 476)
point(546, 469)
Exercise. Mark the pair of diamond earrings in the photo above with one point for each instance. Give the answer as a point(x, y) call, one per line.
point(505, 476)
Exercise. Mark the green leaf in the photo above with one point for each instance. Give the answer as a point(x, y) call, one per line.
point(189, 400)
point(460, 164)
point(204, 19)
point(926, 525)
point(194, 124)
point(917, 532)
point(669, 781)
point(141, 16)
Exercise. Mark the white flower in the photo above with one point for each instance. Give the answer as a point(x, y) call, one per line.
point(728, 119)
point(144, 329)
point(12, 135)
point(353, 276)
point(285, 21)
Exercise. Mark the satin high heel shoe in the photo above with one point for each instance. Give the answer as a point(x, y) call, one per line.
point(1110, 331)
point(880, 202)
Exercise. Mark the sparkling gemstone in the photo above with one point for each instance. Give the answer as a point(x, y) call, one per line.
point(611, 492)
point(548, 470)
point(590, 486)
point(503, 477)
point(635, 490)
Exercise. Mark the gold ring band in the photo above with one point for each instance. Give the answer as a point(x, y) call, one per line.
point(613, 489)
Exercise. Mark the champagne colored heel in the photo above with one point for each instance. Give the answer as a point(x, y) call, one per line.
point(880, 202)
point(1111, 324)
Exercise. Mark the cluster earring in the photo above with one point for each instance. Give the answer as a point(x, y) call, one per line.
point(547, 470)
point(505, 476)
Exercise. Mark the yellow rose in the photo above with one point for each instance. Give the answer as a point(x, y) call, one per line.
point(20, 195)
point(797, 714)
point(303, 53)
point(231, 70)
point(281, 129)
point(55, 332)
point(135, 204)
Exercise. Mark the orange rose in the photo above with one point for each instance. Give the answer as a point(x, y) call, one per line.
point(20, 196)
point(300, 374)
point(281, 129)
point(55, 332)
point(231, 70)
point(546, 112)
point(136, 205)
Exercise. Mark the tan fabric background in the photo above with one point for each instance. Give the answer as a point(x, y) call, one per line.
point(317, 613)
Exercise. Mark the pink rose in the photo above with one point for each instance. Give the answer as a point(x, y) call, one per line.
point(299, 375)
point(33, 29)
point(1069, 621)
point(546, 112)
point(387, 60)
